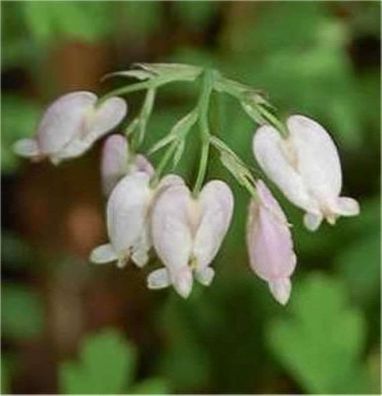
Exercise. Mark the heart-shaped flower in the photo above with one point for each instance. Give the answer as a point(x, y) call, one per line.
point(117, 162)
point(307, 169)
point(270, 244)
point(127, 212)
point(187, 233)
point(70, 125)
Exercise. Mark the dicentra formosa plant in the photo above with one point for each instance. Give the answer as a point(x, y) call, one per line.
point(147, 209)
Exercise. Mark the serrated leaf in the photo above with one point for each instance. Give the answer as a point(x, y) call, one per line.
point(106, 366)
point(320, 345)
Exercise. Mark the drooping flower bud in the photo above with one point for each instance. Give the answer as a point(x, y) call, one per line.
point(307, 169)
point(270, 243)
point(127, 215)
point(70, 125)
point(187, 234)
point(116, 162)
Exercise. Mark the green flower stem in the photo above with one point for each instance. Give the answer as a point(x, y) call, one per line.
point(203, 106)
point(249, 187)
point(231, 87)
point(238, 91)
point(163, 162)
point(274, 121)
point(128, 89)
point(143, 118)
point(202, 167)
point(149, 84)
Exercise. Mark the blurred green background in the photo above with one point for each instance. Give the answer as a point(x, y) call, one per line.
point(69, 327)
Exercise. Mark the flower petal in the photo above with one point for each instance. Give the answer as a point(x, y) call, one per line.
point(312, 221)
point(141, 248)
point(281, 289)
point(170, 229)
point(269, 201)
point(205, 276)
point(276, 157)
point(26, 148)
point(158, 279)
point(170, 180)
point(127, 211)
point(96, 123)
point(269, 241)
point(104, 118)
point(114, 161)
point(182, 280)
point(216, 207)
point(64, 120)
point(347, 206)
point(142, 164)
point(318, 162)
point(103, 254)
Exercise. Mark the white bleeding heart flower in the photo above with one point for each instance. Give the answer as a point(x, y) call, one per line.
point(117, 162)
point(70, 125)
point(187, 234)
point(127, 213)
point(270, 244)
point(307, 169)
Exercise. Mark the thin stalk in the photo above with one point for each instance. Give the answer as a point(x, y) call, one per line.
point(203, 106)
point(144, 116)
point(274, 121)
point(125, 90)
point(164, 161)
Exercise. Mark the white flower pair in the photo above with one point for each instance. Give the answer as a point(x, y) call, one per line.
point(306, 168)
point(186, 232)
point(70, 126)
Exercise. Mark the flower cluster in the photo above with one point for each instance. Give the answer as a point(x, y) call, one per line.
point(146, 211)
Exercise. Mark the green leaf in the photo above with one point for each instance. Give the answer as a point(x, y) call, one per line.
point(359, 264)
point(22, 312)
point(140, 18)
point(5, 376)
point(196, 14)
point(88, 21)
point(321, 344)
point(20, 118)
point(16, 253)
point(106, 366)
point(150, 386)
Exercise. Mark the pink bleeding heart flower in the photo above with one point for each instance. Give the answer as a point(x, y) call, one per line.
point(70, 125)
point(117, 162)
point(307, 169)
point(127, 212)
point(187, 233)
point(270, 244)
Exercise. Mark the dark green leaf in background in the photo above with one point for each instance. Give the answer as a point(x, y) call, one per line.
point(106, 365)
point(321, 344)
point(21, 312)
point(19, 120)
